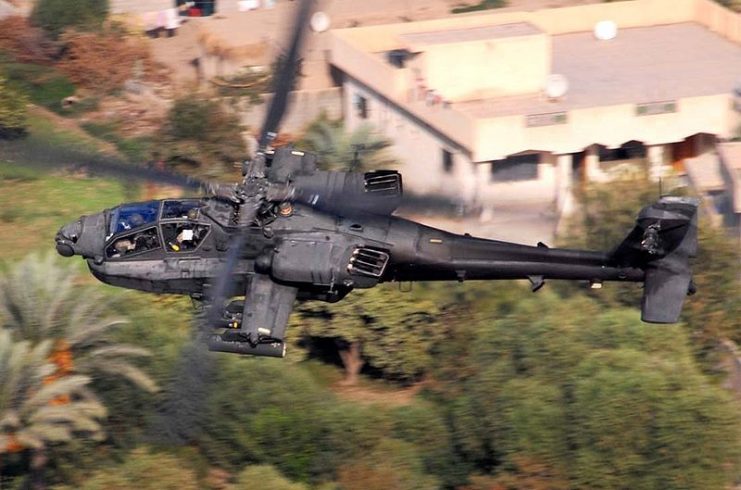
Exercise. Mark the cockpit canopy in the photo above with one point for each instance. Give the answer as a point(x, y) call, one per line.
point(129, 216)
point(133, 227)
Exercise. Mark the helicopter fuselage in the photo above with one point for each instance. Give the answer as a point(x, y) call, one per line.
point(323, 255)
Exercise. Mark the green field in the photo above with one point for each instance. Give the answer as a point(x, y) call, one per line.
point(34, 204)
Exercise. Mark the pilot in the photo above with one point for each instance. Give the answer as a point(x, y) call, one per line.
point(183, 241)
point(124, 246)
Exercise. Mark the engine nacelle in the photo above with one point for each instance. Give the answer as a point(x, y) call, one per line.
point(377, 192)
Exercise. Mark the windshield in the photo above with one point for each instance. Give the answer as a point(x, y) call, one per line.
point(134, 215)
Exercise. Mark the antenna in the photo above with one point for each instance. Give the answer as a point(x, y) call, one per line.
point(605, 30)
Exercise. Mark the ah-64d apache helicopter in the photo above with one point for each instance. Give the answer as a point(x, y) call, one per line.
point(289, 232)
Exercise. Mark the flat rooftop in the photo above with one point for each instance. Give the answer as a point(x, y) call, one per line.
point(470, 34)
point(641, 65)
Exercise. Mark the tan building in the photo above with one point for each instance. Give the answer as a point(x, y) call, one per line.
point(716, 177)
point(466, 98)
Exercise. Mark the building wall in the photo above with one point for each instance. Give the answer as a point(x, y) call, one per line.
point(420, 151)
point(609, 126)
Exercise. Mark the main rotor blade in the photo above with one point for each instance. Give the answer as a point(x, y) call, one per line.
point(222, 288)
point(35, 153)
point(286, 75)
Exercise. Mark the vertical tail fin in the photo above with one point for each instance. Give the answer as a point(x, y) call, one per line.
point(661, 243)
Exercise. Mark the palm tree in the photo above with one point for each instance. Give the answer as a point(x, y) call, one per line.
point(338, 149)
point(31, 416)
point(41, 300)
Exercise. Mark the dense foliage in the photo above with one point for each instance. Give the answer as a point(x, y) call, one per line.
point(509, 390)
point(352, 151)
point(55, 16)
point(87, 56)
point(12, 111)
point(201, 131)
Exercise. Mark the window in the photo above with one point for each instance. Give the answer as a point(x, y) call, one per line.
point(181, 209)
point(515, 168)
point(627, 151)
point(183, 236)
point(361, 106)
point(447, 161)
point(652, 108)
point(134, 244)
point(134, 215)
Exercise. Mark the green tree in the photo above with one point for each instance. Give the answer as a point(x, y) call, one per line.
point(392, 465)
point(606, 215)
point(12, 111)
point(643, 421)
point(338, 149)
point(275, 413)
point(264, 477)
point(593, 397)
point(37, 409)
point(42, 300)
point(202, 131)
point(55, 16)
point(392, 332)
point(423, 425)
point(142, 469)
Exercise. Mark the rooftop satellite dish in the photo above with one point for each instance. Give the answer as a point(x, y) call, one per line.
point(319, 22)
point(605, 30)
point(556, 86)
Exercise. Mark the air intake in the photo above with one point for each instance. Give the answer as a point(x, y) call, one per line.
point(383, 182)
point(368, 262)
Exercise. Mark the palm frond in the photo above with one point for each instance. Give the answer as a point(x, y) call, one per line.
point(66, 386)
point(130, 372)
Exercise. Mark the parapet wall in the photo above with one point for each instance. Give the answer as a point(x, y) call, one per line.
point(634, 13)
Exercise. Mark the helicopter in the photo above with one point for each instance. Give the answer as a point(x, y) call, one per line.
point(290, 232)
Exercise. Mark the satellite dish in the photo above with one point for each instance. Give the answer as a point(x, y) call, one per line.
point(556, 86)
point(319, 22)
point(605, 30)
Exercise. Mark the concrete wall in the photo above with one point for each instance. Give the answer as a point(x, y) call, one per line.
point(610, 126)
point(420, 151)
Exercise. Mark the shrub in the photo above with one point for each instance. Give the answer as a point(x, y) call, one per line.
point(54, 16)
point(203, 131)
point(88, 59)
point(12, 111)
point(482, 5)
point(23, 42)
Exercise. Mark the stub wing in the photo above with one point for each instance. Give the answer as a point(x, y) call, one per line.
point(267, 306)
